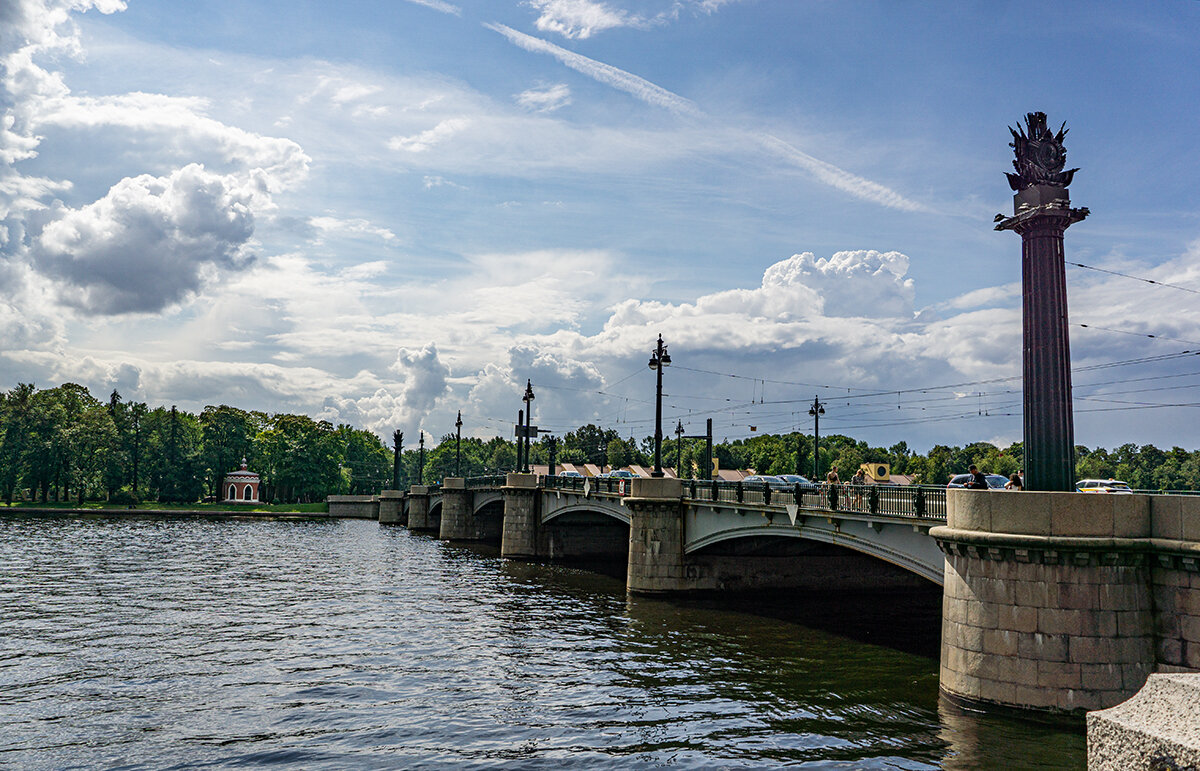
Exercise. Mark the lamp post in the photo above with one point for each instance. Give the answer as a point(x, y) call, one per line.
point(552, 448)
point(679, 450)
point(458, 445)
point(659, 359)
point(816, 410)
point(421, 457)
point(527, 398)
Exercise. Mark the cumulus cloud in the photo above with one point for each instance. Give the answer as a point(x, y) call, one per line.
point(546, 98)
point(150, 241)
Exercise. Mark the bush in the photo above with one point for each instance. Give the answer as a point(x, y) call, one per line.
point(124, 498)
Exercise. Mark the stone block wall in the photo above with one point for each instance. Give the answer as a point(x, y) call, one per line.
point(1050, 630)
point(519, 531)
point(1067, 601)
point(656, 535)
point(353, 506)
point(391, 507)
point(418, 509)
point(457, 522)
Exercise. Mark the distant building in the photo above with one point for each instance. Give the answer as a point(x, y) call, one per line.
point(240, 486)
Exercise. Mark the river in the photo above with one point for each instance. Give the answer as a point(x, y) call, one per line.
point(142, 642)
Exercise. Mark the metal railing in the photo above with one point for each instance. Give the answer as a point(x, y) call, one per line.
point(913, 501)
point(916, 501)
point(605, 485)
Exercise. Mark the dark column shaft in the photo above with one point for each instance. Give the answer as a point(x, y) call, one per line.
point(1049, 423)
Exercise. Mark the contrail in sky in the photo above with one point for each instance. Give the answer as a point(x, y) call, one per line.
point(658, 96)
point(605, 73)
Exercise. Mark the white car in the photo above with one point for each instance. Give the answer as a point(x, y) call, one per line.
point(1103, 486)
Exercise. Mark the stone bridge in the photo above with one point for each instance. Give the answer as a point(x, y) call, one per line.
point(1060, 602)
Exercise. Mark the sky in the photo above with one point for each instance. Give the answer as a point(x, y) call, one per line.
point(384, 212)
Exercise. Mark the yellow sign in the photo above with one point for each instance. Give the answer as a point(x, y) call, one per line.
point(880, 472)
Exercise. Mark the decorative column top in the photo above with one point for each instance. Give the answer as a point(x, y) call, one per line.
point(1041, 182)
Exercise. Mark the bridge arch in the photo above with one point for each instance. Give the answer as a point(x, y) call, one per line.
point(588, 506)
point(876, 547)
point(485, 499)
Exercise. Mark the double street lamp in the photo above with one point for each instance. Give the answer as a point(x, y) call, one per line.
point(659, 358)
point(421, 457)
point(816, 410)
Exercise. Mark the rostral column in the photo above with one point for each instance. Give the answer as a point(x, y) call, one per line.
point(1041, 214)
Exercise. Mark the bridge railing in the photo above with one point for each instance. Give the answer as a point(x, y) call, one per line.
point(917, 501)
point(488, 480)
point(609, 485)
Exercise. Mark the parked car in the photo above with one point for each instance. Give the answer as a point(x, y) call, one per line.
point(1103, 486)
point(775, 483)
point(994, 481)
point(572, 474)
point(620, 473)
point(796, 479)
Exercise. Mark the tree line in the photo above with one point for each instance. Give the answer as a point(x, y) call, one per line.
point(62, 444)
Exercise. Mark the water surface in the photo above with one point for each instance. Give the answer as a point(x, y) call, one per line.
point(172, 643)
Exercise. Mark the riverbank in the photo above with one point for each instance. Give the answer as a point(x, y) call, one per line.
point(284, 511)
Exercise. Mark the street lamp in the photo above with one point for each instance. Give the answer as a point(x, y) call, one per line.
point(527, 398)
point(457, 445)
point(679, 449)
point(816, 410)
point(659, 359)
point(421, 457)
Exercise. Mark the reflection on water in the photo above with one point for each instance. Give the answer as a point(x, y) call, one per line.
point(145, 643)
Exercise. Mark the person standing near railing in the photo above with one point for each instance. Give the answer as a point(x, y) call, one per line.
point(833, 483)
point(857, 482)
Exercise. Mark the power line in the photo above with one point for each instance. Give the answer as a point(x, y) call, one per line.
point(1135, 278)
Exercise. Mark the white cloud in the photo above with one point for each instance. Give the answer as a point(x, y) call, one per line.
point(439, 5)
point(581, 18)
point(354, 226)
point(150, 241)
point(419, 143)
point(545, 99)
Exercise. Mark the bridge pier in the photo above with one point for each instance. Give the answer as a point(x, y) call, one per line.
point(391, 507)
point(656, 537)
point(1057, 601)
point(519, 533)
point(457, 523)
point(418, 509)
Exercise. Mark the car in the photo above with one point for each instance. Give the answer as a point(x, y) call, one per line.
point(994, 481)
point(621, 473)
point(796, 479)
point(572, 474)
point(775, 483)
point(1103, 486)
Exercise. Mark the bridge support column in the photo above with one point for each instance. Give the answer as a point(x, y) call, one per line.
point(458, 522)
point(1047, 600)
point(519, 534)
point(391, 507)
point(656, 537)
point(418, 509)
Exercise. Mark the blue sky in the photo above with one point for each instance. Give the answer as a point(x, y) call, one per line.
point(384, 212)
